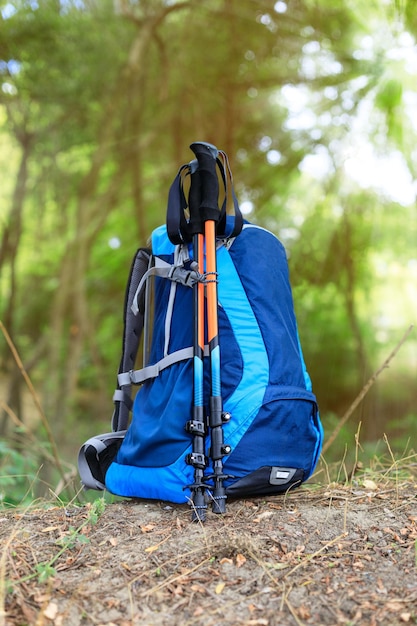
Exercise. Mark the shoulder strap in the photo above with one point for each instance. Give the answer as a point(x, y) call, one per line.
point(132, 331)
point(98, 452)
point(237, 218)
point(177, 225)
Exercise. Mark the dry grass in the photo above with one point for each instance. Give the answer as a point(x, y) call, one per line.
point(268, 561)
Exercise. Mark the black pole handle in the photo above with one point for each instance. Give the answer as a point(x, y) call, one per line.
point(206, 155)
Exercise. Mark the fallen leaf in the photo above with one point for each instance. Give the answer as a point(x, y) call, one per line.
point(40, 598)
point(370, 484)
point(199, 611)
point(147, 528)
point(394, 606)
point(51, 611)
point(304, 612)
point(263, 516)
point(125, 566)
point(383, 496)
point(152, 548)
point(113, 541)
point(219, 587)
point(112, 603)
point(382, 589)
point(49, 529)
point(240, 560)
point(405, 617)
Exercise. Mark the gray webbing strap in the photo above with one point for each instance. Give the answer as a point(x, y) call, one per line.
point(121, 396)
point(168, 317)
point(138, 377)
point(165, 270)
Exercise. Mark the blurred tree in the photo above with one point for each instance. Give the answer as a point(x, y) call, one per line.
point(101, 101)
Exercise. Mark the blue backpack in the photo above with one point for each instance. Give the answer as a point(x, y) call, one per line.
point(271, 431)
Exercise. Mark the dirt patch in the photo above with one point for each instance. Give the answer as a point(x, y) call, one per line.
point(320, 555)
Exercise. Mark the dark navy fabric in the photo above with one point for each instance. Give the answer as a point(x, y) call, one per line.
point(266, 282)
point(265, 384)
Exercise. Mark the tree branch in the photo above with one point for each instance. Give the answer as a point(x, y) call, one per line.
point(364, 391)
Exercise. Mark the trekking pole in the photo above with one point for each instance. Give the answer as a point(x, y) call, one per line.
point(197, 426)
point(209, 211)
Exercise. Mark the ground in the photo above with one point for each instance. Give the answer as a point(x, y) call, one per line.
point(322, 555)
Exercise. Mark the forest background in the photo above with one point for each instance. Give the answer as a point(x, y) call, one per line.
point(315, 103)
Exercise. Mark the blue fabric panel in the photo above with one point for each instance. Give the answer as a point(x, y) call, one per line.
point(157, 436)
point(264, 274)
point(161, 245)
point(159, 483)
point(254, 435)
point(244, 402)
point(307, 379)
point(285, 432)
point(181, 335)
point(231, 360)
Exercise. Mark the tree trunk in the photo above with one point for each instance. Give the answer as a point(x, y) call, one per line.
point(9, 249)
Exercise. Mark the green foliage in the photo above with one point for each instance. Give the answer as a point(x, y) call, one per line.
point(96, 510)
point(71, 540)
point(389, 94)
point(402, 433)
point(18, 472)
point(44, 572)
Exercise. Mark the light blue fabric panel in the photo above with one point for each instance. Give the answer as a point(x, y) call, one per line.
point(245, 401)
point(158, 483)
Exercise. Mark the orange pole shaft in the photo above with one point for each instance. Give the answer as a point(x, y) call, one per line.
point(212, 323)
point(200, 287)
